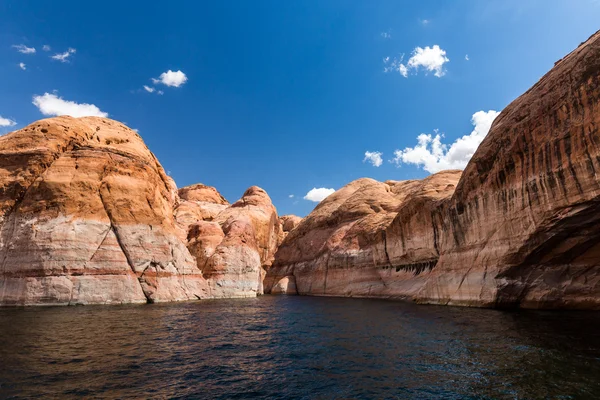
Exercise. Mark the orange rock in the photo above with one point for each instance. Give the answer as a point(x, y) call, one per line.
point(522, 228)
point(233, 245)
point(87, 218)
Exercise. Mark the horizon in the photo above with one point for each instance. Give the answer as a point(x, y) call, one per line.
point(389, 92)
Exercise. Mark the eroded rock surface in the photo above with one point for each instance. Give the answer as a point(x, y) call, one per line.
point(233, 244)
point(87, 217)
point(347, 244)
point(522, 228)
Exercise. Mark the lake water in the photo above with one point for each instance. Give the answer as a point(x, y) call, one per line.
point(297, 348)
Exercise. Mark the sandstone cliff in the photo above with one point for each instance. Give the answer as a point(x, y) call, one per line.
point(520, 230)
point(232, 244)
point(88, 216)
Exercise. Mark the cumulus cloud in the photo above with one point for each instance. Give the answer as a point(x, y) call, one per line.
point(434, 156)
point(318, 194)
point(431, 59)
point(171, 78)
point(374, 157)
point(64, 57)
point(22, 66)
point(21, 48)
point(46, 48)
point(149, 89)
point(7, 122)
point(51, 104)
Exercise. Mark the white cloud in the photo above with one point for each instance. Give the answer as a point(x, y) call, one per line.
point(291, 196)
point(46, 48)
point(160, 92)
point(318, 195)
point(64, 57)
point(374, 157)
point(21, 48)
point(432, 59)
point(136, 130)
point(171, 78)
point(434, 156)
point(149, 89)
point(424, 22)
point(7, 122)
point(403, 70)
point(386, 35)
point(22, 66)
point(467, 57)
point(51, 104)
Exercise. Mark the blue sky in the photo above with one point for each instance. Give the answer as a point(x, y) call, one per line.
point(286, 95)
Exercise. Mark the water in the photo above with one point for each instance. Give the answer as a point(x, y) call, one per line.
point(297, 348)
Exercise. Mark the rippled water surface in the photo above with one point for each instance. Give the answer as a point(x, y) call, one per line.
point(297, 348)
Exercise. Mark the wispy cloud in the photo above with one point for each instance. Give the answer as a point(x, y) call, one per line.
point(22, 66)
point(424, 22)
point(21, 48)
point(51, 104)
point(431, 59)
point(171, 78)
point(4, 122)
point(318, 194)
point(291, 196)
point(46, 48)
point(64, 57)
point(374, 157)
point(467, 57)
point(386, 35)
point(151, 89)
point(434, 156)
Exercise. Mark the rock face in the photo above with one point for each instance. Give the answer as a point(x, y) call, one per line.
point(346, 245)
point(288, 223)
point(232, 244)
point(521, 229)
point(87, 217)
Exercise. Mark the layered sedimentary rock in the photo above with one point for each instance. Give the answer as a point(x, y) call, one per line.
point(521, 229)
point(232, 244)
point(87, 217)
point(346, 245)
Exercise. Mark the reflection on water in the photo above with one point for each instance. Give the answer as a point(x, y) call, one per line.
point(297, 348)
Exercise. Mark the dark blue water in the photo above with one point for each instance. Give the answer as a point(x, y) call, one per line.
point(297, 348)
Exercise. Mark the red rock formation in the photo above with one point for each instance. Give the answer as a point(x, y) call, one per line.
point(521, 229)
point(288, 223)
point(341, 249)
point(233, 245)
point(86, 217)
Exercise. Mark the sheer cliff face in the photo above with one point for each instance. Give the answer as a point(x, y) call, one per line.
point(521, 229)
point(523, 226)
point(86, 217)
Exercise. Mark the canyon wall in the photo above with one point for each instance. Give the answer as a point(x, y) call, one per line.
point(88, 216)
point(519, 228)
